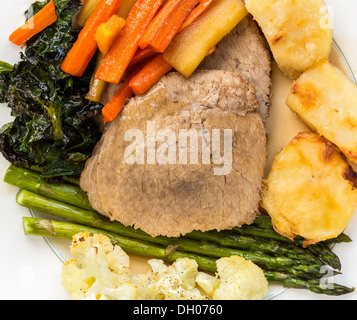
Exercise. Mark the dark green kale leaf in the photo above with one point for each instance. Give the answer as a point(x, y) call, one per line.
point(53, 129)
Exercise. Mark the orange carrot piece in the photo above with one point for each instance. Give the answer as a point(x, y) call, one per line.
point(85, 47)
point(40, 21)
point(157, 23)
point(117, 102)
point(121, 96)
point(196, 13)
point(141, 55)
point(126, 44)
point(150, 74)
point(165, 35)
point(107, 33)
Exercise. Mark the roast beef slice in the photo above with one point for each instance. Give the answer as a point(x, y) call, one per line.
point(245, 51)
point(174, 199)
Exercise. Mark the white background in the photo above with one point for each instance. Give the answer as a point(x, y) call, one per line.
point(28, 267)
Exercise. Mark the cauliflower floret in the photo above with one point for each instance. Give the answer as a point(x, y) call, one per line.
point(240, 279)
point(187, 270)
point(207, 283)
point(118, 261)
point(174, 282)
point(94, 272)
point(146, 288)
point(100, 271)
point(72, 280)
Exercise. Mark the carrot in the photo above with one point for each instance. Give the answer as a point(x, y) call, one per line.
point(85, 47)
point(107, 32)
point(124, 10)
point(121, 96)
point(165, 35)
point(196, 13)
point(117, 102)
point(149, 75)
point(141, 55)
point(126, 44)
point(40, 21)
point(158, 22)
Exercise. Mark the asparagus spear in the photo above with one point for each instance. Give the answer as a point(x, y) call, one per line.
point(264, 222)
point(50, 228)
point(229, 239)
point(312, 285)
point(32, 181)
point(325, 254)
point(64, 230)
point(73, 195)
point(93, 219)
point(64, 192)
point(262, 227)
point(321, 250)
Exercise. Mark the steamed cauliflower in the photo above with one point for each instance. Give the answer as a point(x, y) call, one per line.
point(240, 279)
point(100, 271)
point(173, 282)
point(236, 279)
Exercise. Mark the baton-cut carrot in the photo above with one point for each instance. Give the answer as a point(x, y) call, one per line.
point(172, 26)
point(125, 46)
point(121, 96)
point(149, 75)
point(117, 102)
point(196, 13)
point(85, 47)
point(158, 22)
point(142, 55)
point(40, 21)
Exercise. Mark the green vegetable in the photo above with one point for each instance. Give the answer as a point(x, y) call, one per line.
point(304, 269)
point(230, 239)
point(5, 67)
point(73, 195)
point(50, 228)
point(54, 128)
point(285, 262)
point(312, 285)
point(263, 228)
point(65, 192)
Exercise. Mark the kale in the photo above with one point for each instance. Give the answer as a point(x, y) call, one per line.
point(54, 129)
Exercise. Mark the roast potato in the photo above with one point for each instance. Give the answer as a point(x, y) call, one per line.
point(326, 99)
point(299, 32)
point(311, 190)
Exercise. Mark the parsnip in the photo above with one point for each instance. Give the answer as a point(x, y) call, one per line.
point(193, 44)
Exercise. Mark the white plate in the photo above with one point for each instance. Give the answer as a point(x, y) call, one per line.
point(31, 270)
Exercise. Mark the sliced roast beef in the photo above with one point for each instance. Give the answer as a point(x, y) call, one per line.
point(157, 191)
point(245, 51)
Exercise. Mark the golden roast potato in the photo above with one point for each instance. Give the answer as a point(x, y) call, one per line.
point(326, 100)
point(311, 190)
point(299, 33)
